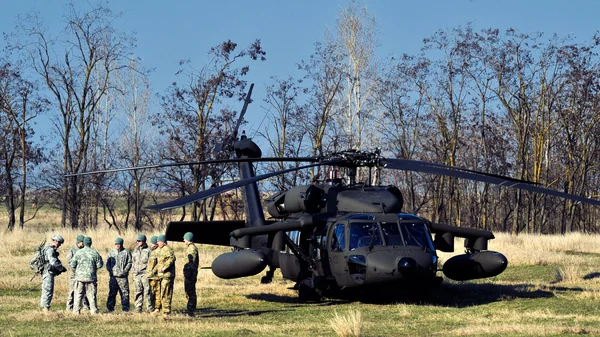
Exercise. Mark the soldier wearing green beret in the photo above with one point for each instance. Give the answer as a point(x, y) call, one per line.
point(165, 266)
point(86, 263)
point(141, 285)
point(152, 275)
point(118, 265)
point(78, 245)
point(190, 272)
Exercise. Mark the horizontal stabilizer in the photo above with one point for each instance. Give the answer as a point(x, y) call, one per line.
point(205, 232)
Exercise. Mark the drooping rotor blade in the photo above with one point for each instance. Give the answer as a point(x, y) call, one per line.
point(450, 171)
point(227, 187)
point(215, 161)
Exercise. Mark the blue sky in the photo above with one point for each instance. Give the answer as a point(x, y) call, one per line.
point(169, 31)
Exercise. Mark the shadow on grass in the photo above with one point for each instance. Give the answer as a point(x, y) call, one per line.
point(591, 276)
point(217, 313)
point(472, 294)
point(458, 295)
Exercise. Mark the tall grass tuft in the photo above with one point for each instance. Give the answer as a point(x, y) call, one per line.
point(347, 325)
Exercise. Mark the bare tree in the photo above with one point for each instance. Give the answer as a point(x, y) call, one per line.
point(76, 67)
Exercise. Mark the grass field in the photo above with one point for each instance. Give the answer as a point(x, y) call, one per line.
point(551, 287)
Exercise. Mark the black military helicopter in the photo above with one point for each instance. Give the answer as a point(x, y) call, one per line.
point(341, 234)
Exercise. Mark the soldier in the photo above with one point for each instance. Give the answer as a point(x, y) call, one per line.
point(190, 272)
point(78, 245)
point(52, 267)
point(141, 286)
point(118, 265)
point(165, 265)
point(86, 263)
point(152, 275)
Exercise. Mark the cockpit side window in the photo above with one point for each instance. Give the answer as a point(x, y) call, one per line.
point(416, 234)
point(338, 238)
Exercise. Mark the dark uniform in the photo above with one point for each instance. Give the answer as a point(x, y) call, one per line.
point(190, 272)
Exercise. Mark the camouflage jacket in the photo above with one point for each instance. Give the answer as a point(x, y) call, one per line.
point(53, 265)
point(70, 255)
point(140, 256)
point(190, 269)
point(86, 263)
point(152, 270)
point(118, 263)
point(165, 262)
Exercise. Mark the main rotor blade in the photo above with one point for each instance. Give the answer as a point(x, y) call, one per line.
point(227, 187)
point(450, 171)
point(215, 161)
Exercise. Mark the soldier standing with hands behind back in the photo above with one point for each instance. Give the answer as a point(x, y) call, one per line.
point(118, 265)
point(141, 286)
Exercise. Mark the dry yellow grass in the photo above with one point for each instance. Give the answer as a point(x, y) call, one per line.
point(347, 325)
point(244, 307)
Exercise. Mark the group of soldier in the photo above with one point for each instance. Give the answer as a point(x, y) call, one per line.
point(152, 266)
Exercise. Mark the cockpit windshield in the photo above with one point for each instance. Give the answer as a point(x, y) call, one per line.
point(364, 234)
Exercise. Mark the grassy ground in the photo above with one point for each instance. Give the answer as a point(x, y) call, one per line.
point(551, 287)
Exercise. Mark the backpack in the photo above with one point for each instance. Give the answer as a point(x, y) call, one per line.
point(38, 261)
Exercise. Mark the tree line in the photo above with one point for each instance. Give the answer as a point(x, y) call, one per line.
point(517, 104)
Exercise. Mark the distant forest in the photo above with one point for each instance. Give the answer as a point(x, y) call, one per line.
point(504, 102)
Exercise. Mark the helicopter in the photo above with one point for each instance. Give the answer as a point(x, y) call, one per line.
point(340, 235)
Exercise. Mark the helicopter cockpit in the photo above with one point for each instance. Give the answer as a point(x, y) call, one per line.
point(367, 231)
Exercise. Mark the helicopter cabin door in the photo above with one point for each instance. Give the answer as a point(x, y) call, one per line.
point(337, 247)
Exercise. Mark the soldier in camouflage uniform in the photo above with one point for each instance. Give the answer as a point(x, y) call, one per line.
point(78, 245)
point(52, 267)
point(86, 263)
point(118, 265)
point(152, 275)
point(141, 286)
point(165, 265)
point(190, 272)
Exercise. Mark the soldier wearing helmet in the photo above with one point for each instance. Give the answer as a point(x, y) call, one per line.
point(52, 267)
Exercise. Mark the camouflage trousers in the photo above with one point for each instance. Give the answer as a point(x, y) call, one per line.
point(71, 298)
point(141, 290)
point(155, 293)
point(118, 285)
point(189, 285)
point(166, 294)
point(87, 291)
point(47, 290)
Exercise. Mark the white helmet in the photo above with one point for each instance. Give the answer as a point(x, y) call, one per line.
point(58, 239)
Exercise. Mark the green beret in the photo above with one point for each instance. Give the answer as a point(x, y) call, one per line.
point(189, 236)
point(162, 238)
point(87, 241)
point(118, 241)
point(153, 239)
point(142, 238)
point(80, 238)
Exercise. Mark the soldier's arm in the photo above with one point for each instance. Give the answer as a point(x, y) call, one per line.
point(73, 263)
point(99, 263)
point(128, 263)
point(52, 260)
